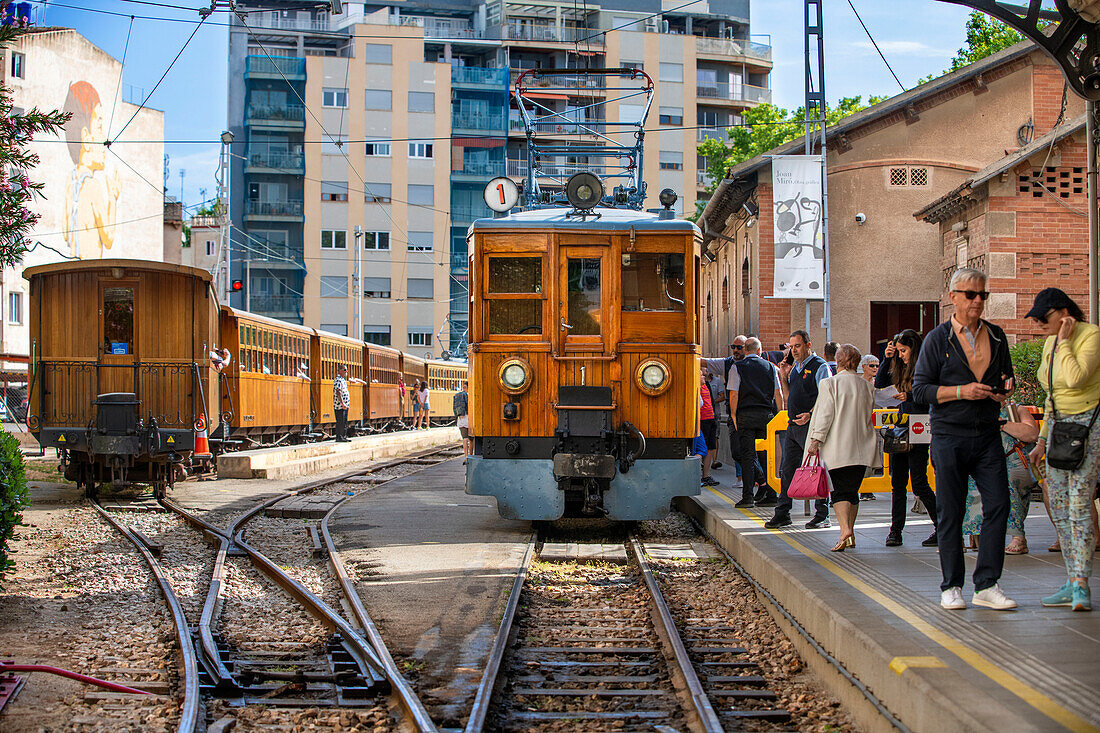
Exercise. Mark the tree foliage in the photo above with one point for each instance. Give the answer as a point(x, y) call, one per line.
point(1025, 363)
point(17, 190)
point(13, 496)
point(985, 36)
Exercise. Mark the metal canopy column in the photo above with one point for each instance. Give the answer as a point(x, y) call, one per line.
point(815, 137)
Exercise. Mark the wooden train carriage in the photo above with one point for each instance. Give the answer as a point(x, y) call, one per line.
point(444, 379)
point(119, 367)
point(384, 399)
point(268, 378)
point(330, 351)
point(414, 371)
point(584, 341)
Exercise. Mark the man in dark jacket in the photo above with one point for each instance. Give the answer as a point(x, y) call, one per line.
point(964, 372)
point(754, 396)
point(802, 374)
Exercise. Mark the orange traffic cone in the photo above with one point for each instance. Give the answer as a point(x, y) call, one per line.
point(202, 442)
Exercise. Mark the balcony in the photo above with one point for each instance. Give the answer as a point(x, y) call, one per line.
point(591, 37)
point(562, 127)
point(273, 255)
point(276, 306)
point(262, 67)
point(273, 210)
point(276, 21)
point(711, 133)
point(478, 121)
point(700, 178)
point(465, 215)
point(707, 93)
point(281, 116)
point(736, 48)
point(518, 169)
point(473, 76)
point(480, 169)
point(275, 162)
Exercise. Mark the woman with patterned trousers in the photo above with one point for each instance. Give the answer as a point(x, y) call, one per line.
point(1070, 371)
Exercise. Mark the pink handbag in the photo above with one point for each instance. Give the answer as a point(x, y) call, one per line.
point(811, 481)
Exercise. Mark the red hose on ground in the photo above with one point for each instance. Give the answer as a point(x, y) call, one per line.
point(13, 667)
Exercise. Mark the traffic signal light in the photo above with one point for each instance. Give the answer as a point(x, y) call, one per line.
point(237, 285)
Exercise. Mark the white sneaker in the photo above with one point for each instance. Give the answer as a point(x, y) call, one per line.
point(995, 598)
point(952, 599)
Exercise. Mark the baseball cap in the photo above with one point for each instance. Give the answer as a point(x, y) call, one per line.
point(1047, 300)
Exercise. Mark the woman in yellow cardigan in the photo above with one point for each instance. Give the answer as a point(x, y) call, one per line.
point(1070, 371)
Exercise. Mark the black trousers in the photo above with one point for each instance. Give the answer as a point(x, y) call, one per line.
point(751, 425)
point(794, 445)
point(957, 458)
point(341, 424)
point(906, 468)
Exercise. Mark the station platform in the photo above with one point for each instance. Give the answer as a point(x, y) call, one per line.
point(876, 610)
point(291, 461)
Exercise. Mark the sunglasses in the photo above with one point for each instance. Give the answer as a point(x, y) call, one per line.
point(738, 347)
point(870, 366)
point(971, 294)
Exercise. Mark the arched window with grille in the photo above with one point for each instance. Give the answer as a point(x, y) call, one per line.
point(710, 312)
point(725, 293)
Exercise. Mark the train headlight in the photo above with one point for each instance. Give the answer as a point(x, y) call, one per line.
point(653, 376)
point(514, 376)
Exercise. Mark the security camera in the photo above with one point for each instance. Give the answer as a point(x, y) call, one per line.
point(861, 218)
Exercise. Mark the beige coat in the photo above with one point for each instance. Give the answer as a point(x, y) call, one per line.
point(841, 421)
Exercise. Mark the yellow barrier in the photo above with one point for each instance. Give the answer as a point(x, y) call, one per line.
point(772, 445)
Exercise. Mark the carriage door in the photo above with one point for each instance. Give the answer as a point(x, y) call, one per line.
point(117, 337)
point(583, 321)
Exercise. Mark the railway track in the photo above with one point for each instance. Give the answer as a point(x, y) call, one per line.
point(351, 669)
point(597, 647)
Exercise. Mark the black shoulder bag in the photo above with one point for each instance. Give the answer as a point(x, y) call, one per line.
point(1068, 440)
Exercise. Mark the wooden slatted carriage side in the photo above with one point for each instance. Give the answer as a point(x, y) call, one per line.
point(414, 370)
point(121, 326)
point(268, 378)
point(384, 399)
point(328, 351)
point(444, 380)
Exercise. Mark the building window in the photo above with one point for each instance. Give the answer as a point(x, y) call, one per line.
point(420, 150)
point(905, 177)
point(15, 309)
point(209, 248)
point(376, 287)
point(340, 329)
point(334, 239)
point(630, 114)
point(376, 193)
point(377, 335)
point(376, 240)
point(725, 293)
point(421, 195)
point(334, 191)
point(710, 309)
point(18, 65)
point(672, 116)
point(671, 160)
point(377, 53)
point(420, 242)
point(378, 99)
point(421, 288)
point(899, 177)
point(378, 150)
point(333, 144)
point(670, 72)
point(918, 177)
point(422, 101)
point(334, 286)
point(334, 97)
point(420, 338)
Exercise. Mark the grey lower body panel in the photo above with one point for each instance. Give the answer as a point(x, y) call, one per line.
point(646, 491)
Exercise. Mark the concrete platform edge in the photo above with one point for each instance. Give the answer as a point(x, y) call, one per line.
point(911, 699)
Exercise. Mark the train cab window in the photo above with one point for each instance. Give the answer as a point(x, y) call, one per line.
point(509, 280)
point(584, 296)
point(653, 281)
point(118, 320)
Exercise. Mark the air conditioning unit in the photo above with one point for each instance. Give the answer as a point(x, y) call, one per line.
point(651, 25)
point(664, 26)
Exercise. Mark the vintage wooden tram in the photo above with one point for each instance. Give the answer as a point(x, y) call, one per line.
point(122, 382)
point(584, 345)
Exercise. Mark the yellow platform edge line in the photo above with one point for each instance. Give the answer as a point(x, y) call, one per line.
point(901, 664)
point(1002, 677)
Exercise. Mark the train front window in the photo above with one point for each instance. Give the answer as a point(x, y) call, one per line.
point(509, 279)
point(515, 275)
point(118, 320)
point(584, 296)
point(653, 281)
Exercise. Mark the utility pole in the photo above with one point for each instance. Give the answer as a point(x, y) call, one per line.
point(815, 136)
point(222, 276)
point(1093, 309)
point(357, 285)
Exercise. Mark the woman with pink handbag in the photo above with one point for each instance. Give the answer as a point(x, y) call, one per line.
point(842, 437)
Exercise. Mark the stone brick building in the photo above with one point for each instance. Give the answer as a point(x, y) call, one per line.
point(1022, 219)
point(883, 163)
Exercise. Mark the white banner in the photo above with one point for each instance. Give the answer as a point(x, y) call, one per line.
point(796, 217)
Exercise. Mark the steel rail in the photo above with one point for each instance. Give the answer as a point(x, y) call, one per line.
point(833, 661)
point(189, 711)
point(488, 683)
point(699, 700)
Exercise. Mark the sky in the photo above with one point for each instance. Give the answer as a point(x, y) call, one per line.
point(918, 38)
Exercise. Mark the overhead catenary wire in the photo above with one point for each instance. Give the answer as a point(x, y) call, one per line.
point(875, 44)
point(118, 85)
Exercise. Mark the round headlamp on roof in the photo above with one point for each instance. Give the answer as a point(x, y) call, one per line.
point(668, 198)
point(584, 190)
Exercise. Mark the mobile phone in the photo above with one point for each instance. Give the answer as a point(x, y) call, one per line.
point(789, 358)
point(1005, 388)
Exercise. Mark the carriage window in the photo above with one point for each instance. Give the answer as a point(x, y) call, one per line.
point(653, 281)
point(118, 320)
point(515, 275)
point(584, 296)
point(515, 316)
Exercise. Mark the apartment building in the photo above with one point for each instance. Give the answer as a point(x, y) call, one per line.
point(393, 117)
